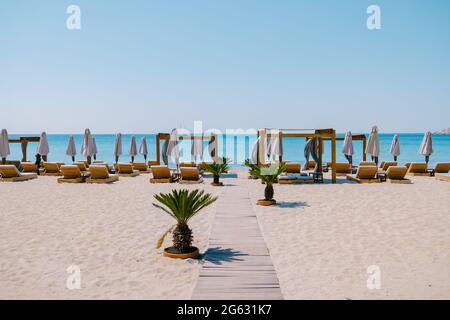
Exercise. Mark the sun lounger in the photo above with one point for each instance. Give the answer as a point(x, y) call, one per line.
point(293, 167)
point(442, 167)
point(188, 164)
point(294, 178)
point(310, 165)
point(72, 174)
point(443, 177)
point(190, 175)
point(9, 173)
point(141, 167)
point(82, 166)
point(126, 170)
point(100, 174)
point(396, 174)
point(365, 174)
point(418, 169)
point(367, 164)
point(202, 166)
point(343, 168)
point(29, 167)
point(51, 169)
point(161, 174)
point(386, 164)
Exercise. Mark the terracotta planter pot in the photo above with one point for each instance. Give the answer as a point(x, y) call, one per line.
point(266, 203)
point(192, 255)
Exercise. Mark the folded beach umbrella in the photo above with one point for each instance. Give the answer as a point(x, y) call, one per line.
point(373, 144)
point(71, 149)
point(43, 149)
point(395, 147)
point(172, 147)
point(347, 148)
point(143, 148)
point(213, 147)
point(87, 147)
point(118, 147)
point(197, 148)
point(426, 147)
point(133, 148)
point(4, 145)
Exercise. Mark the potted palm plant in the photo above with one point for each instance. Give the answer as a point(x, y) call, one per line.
point(217, 168)
point(182, 205)
point(269, 176)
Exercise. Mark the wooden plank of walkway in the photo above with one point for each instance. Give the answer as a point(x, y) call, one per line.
point(237, 264)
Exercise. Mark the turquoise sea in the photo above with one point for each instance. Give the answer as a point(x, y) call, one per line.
point(236, 147)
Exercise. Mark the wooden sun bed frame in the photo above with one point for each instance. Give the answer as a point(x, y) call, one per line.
point(100, 174)
point(72, 174)
point(142, 167)
point(365, 174)
point(396, 174)
point(295, 179)
point(161, 174)
point(9, 173)
point(51, 169)
point(126, 170)
point(29, 167)
point(190, 175)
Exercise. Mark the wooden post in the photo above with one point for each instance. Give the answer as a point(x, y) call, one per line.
point(158, 151)
point(364, 148)
point(24, 144)
point(333, 156)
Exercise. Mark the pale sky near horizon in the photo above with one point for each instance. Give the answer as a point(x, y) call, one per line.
point(149, 66)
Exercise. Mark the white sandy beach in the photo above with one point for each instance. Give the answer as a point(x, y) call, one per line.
point(109, 231)
point(321, 239)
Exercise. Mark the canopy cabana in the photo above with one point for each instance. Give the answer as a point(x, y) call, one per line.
point(320, 134)
point(24, 144)
point(355, 137)
point(165, 137)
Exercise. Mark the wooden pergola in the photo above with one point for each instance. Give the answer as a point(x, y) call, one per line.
point(166, 137)
point(24, 144)
point(355, 137)
point(320, 134)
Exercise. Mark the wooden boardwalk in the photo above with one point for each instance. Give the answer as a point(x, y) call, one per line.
point(237, 264)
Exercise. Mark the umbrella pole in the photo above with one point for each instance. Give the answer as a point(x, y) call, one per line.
point(376, 160)
point(395, 158)
point(117, 159)
point(145, 157)
point(132, 159)
point(3, 160)
point(73, 159)
point(427, 159)
point(89, 160)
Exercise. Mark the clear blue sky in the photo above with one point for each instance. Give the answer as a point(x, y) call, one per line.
point(147, 66)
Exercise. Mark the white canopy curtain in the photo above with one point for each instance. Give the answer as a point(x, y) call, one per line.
point(213, 147)
point(197, 148)
point(173, 148)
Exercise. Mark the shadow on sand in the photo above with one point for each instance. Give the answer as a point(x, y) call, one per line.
point(293, 204)
point(219, 255)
